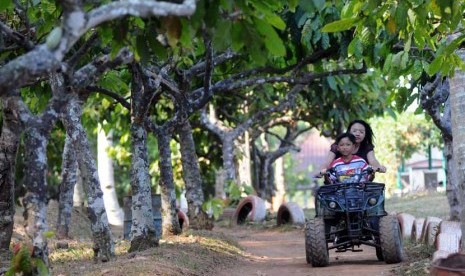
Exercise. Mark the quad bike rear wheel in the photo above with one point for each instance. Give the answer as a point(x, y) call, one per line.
point(391, 239)
point(316, 247)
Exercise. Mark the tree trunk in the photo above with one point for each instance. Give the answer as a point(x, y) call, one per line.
point(78, 194)
point(103, 241)
point(457, 100)
point(244, 175)
point(107, 180)
point(452, 191)
point(220, 180)
point(9, 142)
point(191, 173)
point(280, 194)
point(143, 234)
point(264, 177)
point(37, 133)
point(68, 181)
point(168, 195)
point(35, 208)
point(228, 159)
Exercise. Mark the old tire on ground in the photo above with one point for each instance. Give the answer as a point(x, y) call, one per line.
point(250, 208)
point(315, 243)
point(447, 226)
point(391, 239)
point(448, 242)
point(290, 213)
point(431, 232)
point(417, 229)
point(425, 226)
point(406, 224)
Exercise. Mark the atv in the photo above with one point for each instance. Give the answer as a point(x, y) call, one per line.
point(349, 215)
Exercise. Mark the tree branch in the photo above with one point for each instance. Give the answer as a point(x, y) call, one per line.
point(111, 94)
point(47, 57)
point(17, 37)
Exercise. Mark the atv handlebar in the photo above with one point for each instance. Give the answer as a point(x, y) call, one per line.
point(368, 171)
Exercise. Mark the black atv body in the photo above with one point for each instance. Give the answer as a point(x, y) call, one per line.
point(349, 215)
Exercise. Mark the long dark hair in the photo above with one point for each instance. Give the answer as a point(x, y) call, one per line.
point(368, 140)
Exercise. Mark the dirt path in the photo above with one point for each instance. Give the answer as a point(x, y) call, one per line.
point(277, 252)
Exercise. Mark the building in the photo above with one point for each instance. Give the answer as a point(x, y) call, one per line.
point(423, 171)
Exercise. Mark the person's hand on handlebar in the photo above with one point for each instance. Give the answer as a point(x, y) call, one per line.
point(321, 173)
point(381, 169)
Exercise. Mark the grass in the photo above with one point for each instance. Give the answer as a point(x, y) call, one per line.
point(420, 205)
point(192, 253)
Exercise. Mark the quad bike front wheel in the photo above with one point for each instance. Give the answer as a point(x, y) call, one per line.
point(316, 247)
point(391, 239)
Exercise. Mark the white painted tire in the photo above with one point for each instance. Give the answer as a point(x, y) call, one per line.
point(425, 226)
point(290, 213)
point(453, 227)
point(448, 242)
point(431, 232)
point(417, 229)
point(406, 223)
point(251, 208)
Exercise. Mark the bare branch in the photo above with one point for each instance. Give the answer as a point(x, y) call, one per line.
point(111, 94)
point(17, 37)
point(89, 73)
point(82, 50)
point(229, 85)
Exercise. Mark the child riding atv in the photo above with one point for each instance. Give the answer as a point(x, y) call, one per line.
point(350, 212)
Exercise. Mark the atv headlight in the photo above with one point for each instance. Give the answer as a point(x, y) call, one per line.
point(332, 205)
point(372, 201)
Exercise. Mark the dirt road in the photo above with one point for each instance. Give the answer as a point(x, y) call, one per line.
point(276, 252)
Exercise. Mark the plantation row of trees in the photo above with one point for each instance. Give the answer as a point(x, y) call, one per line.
point(195, 77)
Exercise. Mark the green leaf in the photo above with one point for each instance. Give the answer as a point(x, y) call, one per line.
point(434, 66)
point(139, 22)
point(273, 42)
point(417, 70)
point(387, 63)
point(220, 40)
point(401, 14)
point(404, 60)
point(156, 47)
point(267, 13)
point(352, 8)
point(307, 5)
point(142, 49)
point(332, 83)
point(6, 4)
point(293, 4)
point(319, 4)
point(355, 47)
point(340, 25)
point(237, 33)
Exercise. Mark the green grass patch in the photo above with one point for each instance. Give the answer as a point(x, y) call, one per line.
point(420, 205)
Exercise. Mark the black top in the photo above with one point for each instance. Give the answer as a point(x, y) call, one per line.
point(362, 151)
